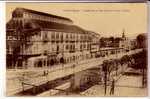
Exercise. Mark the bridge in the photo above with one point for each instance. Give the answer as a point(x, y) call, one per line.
point(19, 80)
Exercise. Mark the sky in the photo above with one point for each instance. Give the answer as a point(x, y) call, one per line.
point(107, 19)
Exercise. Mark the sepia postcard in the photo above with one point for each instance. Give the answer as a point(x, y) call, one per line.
point(76, 49)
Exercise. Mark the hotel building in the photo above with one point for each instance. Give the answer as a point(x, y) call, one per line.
point(37, 39)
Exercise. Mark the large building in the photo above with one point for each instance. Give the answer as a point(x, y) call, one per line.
point(118, 42)
point(36, 39)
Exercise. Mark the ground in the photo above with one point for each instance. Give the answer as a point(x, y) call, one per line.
point(125, 86)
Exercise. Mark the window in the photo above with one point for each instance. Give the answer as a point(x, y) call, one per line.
point(84, 45)
point(45, 36)
point(71, 36)
point(53, 35)
point(66, 46)
point(80, 47)
point(66, 36)
point(77, 37)
point(86, 37)
point(74, 47)
point(61, 36)
point(58, 49)
point(81, 38)
point(74, 36)
point(70, 47)
point(57, 36)
point(88, 46)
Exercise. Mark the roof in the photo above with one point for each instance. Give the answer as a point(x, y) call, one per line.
point(40, 13)
point(94, 34)
point(33, 24)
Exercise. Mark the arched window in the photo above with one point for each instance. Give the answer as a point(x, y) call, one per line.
point(52, 62)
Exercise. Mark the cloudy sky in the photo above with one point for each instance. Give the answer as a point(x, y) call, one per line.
point(108, 19)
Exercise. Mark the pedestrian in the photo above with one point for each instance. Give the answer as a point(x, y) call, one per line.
point(112, 87)
point(47, 72)
point(44, 73)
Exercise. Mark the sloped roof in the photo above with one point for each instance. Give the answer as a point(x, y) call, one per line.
point(94, 34)
point(33, 24)
point(20, 10)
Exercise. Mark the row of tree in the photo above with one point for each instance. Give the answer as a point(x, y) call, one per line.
point(136, 61)
point(141, 41)
point(110, 41)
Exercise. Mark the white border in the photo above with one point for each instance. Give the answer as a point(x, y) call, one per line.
point(2, 48)
point(102, 1)
point(3, 58)
point(148, 47)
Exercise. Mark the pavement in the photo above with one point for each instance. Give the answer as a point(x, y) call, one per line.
point(125, 86)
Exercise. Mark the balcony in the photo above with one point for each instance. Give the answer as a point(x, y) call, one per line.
point(72, 51)
point(45, 39)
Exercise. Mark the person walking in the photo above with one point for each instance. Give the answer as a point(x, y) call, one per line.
point(112, 89)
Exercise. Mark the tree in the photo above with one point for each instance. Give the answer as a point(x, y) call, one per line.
point(140, 62)
point(103, 42)
point(108, 67)
point(105, 70)
point(117, 39)
point(116, 63)
point(141, 40)
point(111, 39)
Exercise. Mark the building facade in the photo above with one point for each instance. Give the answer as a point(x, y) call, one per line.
point(126, 43)
point(37, 39)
